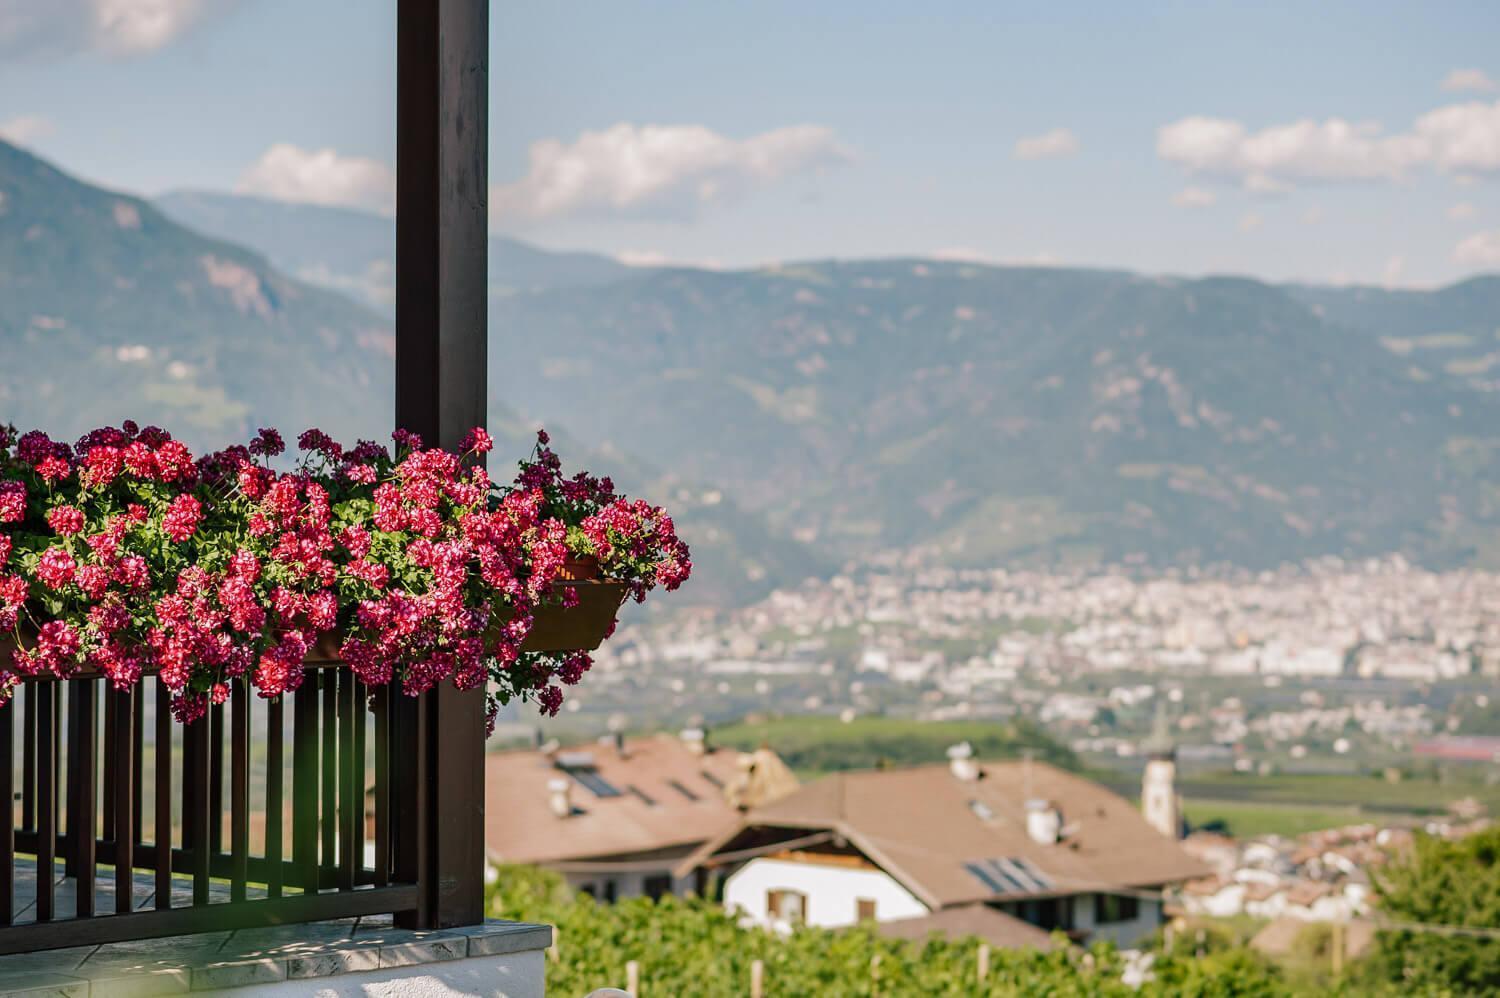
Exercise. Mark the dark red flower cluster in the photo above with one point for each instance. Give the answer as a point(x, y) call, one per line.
point(123, 553)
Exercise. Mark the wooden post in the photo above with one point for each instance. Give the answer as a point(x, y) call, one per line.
point(554, 952)
point(757, 979)
point(984, 961)
point(633, 978)
point(442, 126)
point(1336, 948)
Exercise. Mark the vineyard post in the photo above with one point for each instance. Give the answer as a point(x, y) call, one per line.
point(757, 979)
point(633, 977)
point(1336, 948)
point(984, 960)
point(554, 952)
point(875, 974)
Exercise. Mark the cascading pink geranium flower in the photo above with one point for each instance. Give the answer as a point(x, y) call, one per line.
point(212, 570)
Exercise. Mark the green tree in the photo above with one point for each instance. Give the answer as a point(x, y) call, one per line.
point(1443, 883)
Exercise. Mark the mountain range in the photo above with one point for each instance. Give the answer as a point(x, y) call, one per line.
point(111, 310)
point(355, 252)
point(808, 413)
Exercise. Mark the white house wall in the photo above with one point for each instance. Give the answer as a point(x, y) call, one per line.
point(1123, 934)
point(832, 892)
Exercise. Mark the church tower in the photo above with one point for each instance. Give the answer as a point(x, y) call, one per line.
point(1160, 803)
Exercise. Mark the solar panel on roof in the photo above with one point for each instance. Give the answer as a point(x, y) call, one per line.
point(979, 873)
point(1008, 875)
point(596, 784)
point(677, 786)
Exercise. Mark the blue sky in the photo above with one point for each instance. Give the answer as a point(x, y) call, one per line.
point(1330, 142)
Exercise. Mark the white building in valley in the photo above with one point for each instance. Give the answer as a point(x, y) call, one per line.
point(1024, 841)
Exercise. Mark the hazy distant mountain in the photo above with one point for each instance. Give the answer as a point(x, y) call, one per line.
point(109, 311)
point(995, 413)
point(1047, 413)
point(355, 251)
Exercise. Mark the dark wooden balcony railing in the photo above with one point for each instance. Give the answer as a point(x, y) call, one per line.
point(125, 824)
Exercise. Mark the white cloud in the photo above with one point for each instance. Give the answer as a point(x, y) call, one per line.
point(43, 28)
point(289, 173)
point(1312, 216)
point(1250, 221)
point(1194, 197)
point(1274, 157)
point(1482, 249)
point(26, 129)
point(1049, 145)
point(664, 169)
point(1463, 138)
point(1461, 211)
point(1460, 139)
point(1470, 79)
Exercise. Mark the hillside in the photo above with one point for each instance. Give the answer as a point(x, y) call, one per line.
point(1029, 413)
point(355, 251)
point(109, 310)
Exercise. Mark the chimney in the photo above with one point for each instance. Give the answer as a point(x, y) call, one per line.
point(961, 762)
point(616, 740)
point(560, 796)
point(1043, 821)
point(694, 740)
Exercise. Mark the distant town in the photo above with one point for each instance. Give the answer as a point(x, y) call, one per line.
point(1328, 667)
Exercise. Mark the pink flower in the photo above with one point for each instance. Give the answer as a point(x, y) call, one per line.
point(56, 567)
point(477, 440)
point(182, 519)
point(66, 520)
point(53, 470)
point(12, 502)
point(267, 443)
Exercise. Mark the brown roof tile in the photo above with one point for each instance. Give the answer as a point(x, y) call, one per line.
point(681, 802)
point(994, 927)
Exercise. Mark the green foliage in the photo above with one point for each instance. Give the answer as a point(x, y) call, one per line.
point(812, 745)
point(691, 947)
point(1441, 882)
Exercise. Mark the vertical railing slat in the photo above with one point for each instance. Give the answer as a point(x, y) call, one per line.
point(162, 829)
point(329, 680)
point(83, 758)
point(239, 792)
point(137, 774)
point(124, 751)
point(196, 801)
point(8, 795)
point(361, 718)
point(382, 786)
point(107, 832)
point(275, 722)
point(215, 725)
point(46, 798)
point(305, 781)
point(28, 759)
point(348, 810)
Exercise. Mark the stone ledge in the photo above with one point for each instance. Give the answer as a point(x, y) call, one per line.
point(251, 957)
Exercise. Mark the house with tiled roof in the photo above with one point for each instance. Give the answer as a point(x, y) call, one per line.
point(1025, 840)
point(615, 817)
